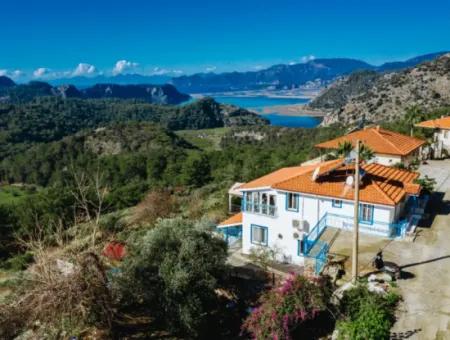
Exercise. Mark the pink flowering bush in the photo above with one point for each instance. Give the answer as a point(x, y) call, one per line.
point(284, 308)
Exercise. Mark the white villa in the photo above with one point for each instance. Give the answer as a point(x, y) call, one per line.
point(441, 140)
point(389, 147)
point(287, 210)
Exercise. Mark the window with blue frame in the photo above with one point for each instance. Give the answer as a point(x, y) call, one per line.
point(366, 213)
point(337, 204)
point(292, 201)
point(259, 235)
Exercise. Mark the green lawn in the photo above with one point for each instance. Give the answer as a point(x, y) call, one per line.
point(10, 194)
point(207, 139)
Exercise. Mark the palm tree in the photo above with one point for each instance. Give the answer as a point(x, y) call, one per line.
point(413, 116)
point(344, 149)
point(365, 153)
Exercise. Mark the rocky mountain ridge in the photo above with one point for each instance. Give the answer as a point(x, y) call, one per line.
point(155, 94)
point(278, 77)
point(386, 97)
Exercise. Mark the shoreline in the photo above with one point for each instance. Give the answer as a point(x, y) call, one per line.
point(305, 95)
point(290, 110)
point(294, 110)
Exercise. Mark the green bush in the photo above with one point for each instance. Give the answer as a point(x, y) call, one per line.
point(371, 323)
point(173, 271)
point(366, 315)
point(18, 262)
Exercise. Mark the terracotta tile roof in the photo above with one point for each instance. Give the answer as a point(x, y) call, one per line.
point(233, 220)
point(380, 185)
point(283, 174)
point(440, 123)
point(379, 140)
point(276, 176)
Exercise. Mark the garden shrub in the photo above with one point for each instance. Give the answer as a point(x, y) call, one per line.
point(284, 308)
point(366, 315)
point(172, 271)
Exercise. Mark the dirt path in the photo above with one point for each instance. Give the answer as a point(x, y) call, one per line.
point(425, 311)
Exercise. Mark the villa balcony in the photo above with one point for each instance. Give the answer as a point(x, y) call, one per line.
point(260, 209)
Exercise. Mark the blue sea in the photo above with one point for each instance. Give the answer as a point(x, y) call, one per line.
point(259, 103)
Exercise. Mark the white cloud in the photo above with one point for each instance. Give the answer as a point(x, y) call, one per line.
point(258, 67)
point(124, 66)
point(177, 72)
point(17, 73)
point(84, 69)
point(12, 74)
point(158, 71)
point(210, 68)
point(41, 72)
point(307, 58)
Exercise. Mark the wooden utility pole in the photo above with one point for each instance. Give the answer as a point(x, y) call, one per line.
point(356, 219)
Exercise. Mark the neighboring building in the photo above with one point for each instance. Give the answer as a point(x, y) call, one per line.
point(389, 147)
point(441, 138)
point(288, 210)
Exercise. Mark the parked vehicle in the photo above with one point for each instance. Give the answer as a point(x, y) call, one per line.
point(389, 268)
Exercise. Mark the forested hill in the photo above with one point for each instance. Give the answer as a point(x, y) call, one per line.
point(156, 94)
point(124, 151)
point(386, 97)
point(49, 119)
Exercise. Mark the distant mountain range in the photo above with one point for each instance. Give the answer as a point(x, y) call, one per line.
point(320, 71)
point(382, 97)
point(120, 79)
point(157, 94)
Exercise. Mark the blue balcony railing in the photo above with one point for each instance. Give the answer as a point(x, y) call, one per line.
point(391, 230)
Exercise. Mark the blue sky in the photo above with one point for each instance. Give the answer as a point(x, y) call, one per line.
point(52, 38)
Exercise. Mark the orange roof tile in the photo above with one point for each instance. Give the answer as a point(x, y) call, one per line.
point(440, 123)
point(274, 177)
point(380, 185)
point(379, 140)
point(281, 175)
point(231, 221)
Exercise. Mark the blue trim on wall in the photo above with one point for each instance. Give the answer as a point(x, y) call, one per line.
point(336, 203)
point(266, 234)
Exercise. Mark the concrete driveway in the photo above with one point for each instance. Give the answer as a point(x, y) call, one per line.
point(425, 310)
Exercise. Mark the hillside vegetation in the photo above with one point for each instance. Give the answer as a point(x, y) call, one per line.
point(50, 119)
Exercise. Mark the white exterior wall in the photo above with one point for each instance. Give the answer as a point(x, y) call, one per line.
point(442, 139)
point(388, 160)
point(311, 209)
point(287, 246)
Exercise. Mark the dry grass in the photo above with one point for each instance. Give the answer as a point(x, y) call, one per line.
point(53, 299)
point(157, 204)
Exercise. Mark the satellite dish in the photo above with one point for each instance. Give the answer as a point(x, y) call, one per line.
point(315, 173)
point(349, 181)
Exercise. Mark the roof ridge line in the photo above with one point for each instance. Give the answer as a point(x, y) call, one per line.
point(377, 131)
point(382, 192)
point(318, 165)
